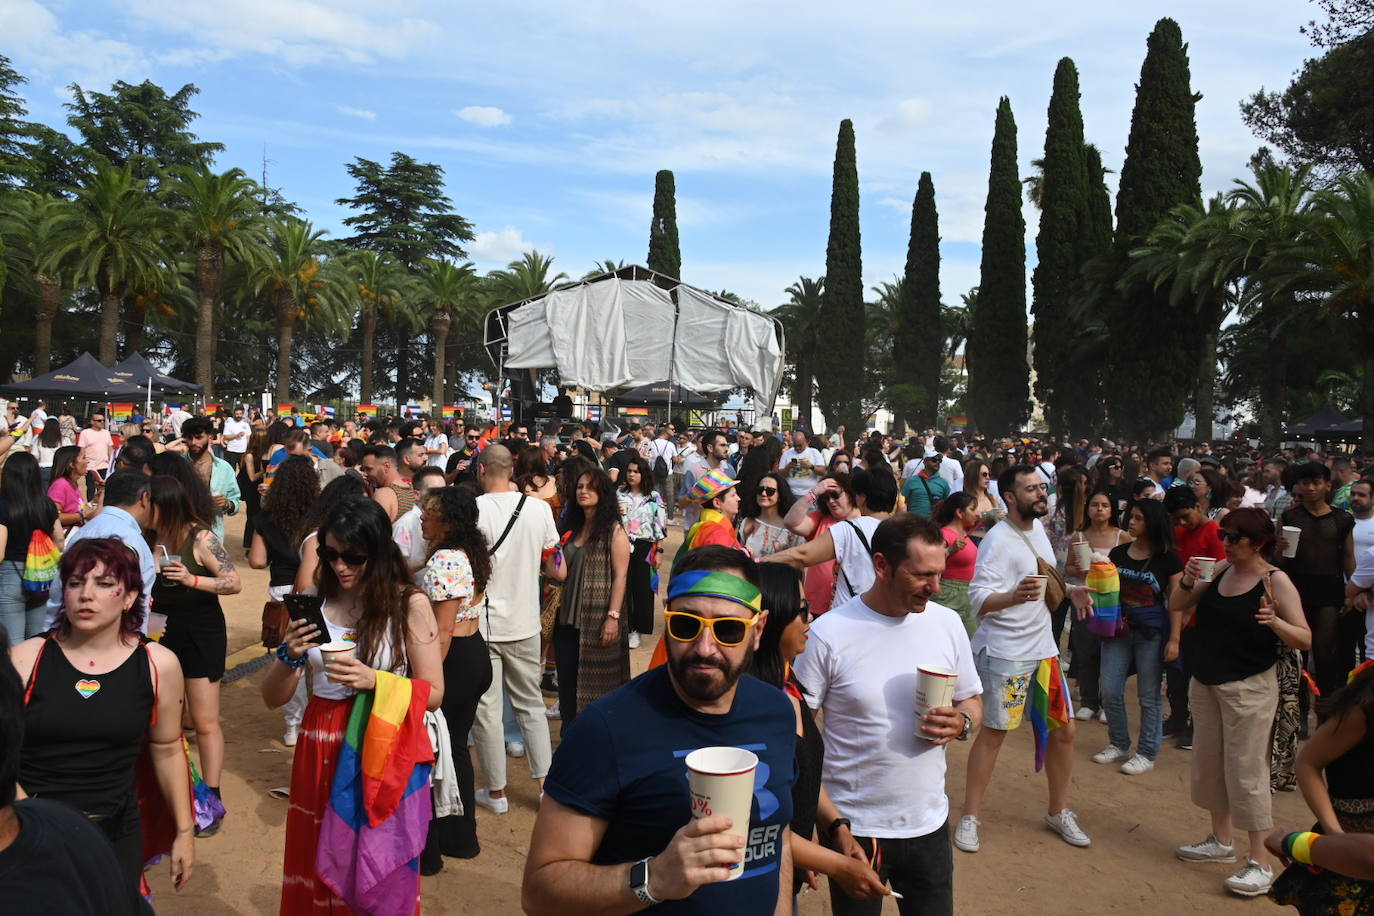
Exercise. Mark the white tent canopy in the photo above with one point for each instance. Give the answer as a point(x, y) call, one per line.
point(623, 329)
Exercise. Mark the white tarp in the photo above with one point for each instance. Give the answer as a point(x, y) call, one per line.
point(699, 358)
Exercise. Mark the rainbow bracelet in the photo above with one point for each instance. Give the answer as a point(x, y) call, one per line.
point(1298, 846)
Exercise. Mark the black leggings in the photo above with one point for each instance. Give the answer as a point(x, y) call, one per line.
point(467, 675)
point(641, 596)
point(124, 830)
point(1336, 640)
point(567, 652)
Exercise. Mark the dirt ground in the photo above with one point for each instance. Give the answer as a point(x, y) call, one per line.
point(1134, 822)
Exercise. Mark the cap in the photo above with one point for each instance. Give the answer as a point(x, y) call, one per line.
point(712, 485)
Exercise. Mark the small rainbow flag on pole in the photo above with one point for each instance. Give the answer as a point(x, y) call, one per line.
point(1049, 706)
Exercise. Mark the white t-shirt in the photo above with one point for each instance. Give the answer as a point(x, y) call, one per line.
point(856, 573)
point(662, 448)
point(177, 418)
point(512, 611)
point(860, 668)
point(1363, 577)
point(438, 443)
point(953, 472)
point(1364, 535)
point(912, 468)
point(1020, 632)
point(800, 479)
point(407, 534)
point(234, 427)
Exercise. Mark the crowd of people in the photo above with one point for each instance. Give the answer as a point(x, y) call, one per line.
point(429, 583)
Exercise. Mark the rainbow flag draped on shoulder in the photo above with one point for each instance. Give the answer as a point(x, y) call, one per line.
point(379, 806)
point(1049, 706)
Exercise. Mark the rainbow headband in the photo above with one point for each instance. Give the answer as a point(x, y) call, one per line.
point(713, 584)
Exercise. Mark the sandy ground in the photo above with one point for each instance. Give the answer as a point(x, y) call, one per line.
point(1134, 823)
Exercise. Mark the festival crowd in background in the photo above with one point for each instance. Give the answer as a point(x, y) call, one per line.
point(432, 581)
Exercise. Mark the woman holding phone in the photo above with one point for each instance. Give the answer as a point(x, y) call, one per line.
point(369, 600)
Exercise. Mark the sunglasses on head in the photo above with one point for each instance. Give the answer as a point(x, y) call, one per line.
point(1230, 537)
point(768, 491)
point(329, 555)
point(727, 631)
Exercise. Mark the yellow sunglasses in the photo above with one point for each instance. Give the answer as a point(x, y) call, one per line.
point(727, 631)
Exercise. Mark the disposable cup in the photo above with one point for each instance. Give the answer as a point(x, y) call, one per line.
point(721, 780)
point(168, 560)
point(338, 650)
point(1082, 554)
point(934, 689)
point(157, 625)
point(1291, 535)
point(1043, 582)
point(1206, 567)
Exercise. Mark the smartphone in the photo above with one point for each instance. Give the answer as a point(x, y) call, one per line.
point(309, 608)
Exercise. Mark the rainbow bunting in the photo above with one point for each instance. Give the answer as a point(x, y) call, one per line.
point(1049, 706)
point(379, 805)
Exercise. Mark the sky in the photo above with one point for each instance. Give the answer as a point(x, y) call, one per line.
point(550, 119)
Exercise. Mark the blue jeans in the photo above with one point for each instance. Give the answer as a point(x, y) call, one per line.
point(1146, 647)
point(20, 615)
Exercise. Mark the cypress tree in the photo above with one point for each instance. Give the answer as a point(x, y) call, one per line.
point(999, 376)
point(1083, 408)
point(1063, 212)
point(840, 359)
point(664, 255)
point(919, 343)
point(1154, 343)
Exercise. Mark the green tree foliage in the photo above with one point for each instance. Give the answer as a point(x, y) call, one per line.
point(379, 284)
point(139, 126)
point(15, 132)
point(665, 257)
point(447, 297)
point(999, 377)
point(293, 275)
point(800, 317)
point(1154, 343)
point(918, 342)
point(839, 368)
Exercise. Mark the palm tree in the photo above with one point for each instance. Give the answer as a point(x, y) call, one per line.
point(524, 279)
point(380, 285)
point(113, 236)
point(604, 267)
point(799, 315)
point(293, 274)
point(218, 215)
point(26, 228)
point(446, 294)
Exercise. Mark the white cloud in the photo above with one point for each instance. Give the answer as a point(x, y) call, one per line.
point(483, 115)
point(632, 210)
point(351, 112)
point(910, 114)
point(497, 249)
point(38, 43)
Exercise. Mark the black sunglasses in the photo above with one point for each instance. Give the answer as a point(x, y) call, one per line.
point(1230, 537)
point(768, 491)
point(329, 555)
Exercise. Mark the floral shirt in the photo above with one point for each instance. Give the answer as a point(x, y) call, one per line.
point(644, 517)
point(448, 577)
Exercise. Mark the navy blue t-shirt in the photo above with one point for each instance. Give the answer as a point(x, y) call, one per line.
point(622, 760)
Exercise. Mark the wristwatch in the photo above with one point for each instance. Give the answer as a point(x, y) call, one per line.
point(639, 882)
point(837, 823)
point(968, 727)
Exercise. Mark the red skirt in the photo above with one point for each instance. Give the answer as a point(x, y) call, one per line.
point(312, 777)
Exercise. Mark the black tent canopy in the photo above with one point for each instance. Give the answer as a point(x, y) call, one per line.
point(137, 371)
point(658, 395)
point(1326, 418)
point(84, 378)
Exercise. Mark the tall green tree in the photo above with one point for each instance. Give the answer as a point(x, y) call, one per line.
point(1154, 342)
point(800, 317)
point(839, 367)
point(27, 226)
point(217, 218)
point(380, 290)
point(446, 297)
point(113, 238)
point(15, 132)
point(999, 375)
point(532, 275)
point(665, 257)
point(141, 127)
point(918, 345)
point(1060, 251)
point(1084, 410)
point(293, 277)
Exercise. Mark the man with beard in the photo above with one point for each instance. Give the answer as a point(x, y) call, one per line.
point(1016, 654)
point(860, 668)
point(216, 472)
point(615, 832)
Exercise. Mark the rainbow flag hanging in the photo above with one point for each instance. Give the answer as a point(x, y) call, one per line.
point(379, 805)
point(367, 410)
point(449, 411)
point(1049, 706)
point(636, 411)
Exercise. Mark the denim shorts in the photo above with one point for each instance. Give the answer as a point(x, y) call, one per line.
point(1006, 685)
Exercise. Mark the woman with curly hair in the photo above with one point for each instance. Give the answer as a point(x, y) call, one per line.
point(455, 579)
point(590, 643)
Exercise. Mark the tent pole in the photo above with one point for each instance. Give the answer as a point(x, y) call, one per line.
point(148, 404)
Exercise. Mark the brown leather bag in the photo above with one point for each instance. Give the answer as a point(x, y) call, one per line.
point(275, 620)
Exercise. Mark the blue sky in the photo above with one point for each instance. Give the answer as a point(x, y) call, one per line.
point(550, 119)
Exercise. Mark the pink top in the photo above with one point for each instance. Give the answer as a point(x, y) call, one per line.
point(65, 495)
point(960, 565)
point(819, 583)
point(97, 444)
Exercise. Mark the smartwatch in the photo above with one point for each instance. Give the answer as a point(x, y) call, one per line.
point(836, 824)
point(968, 727)
point(639, 882)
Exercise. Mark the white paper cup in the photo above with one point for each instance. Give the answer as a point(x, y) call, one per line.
point(1044, 582)
point(722, 782)
point(157, 625)
point(934, 689)
point(1291, 535)
point(1082, 554)
point(1206, 567)
point(338, 650)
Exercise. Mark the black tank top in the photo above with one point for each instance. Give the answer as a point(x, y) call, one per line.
point(171, 598)
point(83, 733)
point(1229, 645)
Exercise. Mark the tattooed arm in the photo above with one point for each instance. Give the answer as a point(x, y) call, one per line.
point(211, 554)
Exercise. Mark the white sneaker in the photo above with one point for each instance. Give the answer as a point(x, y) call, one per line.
point(1209, 850)
point(634, 639)
point(290, 735)
point(1251, 881)
point(1137, 764)
point(552, 712)
point(1111, 754)
point(1102, 716)
point(1085, 713)
point(966, 834)
point(515, 748)
point(1065, 823)
point(494, 805)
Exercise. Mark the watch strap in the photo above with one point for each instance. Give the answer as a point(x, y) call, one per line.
point(639, 882)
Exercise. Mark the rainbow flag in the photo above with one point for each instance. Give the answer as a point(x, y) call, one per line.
point(636, 411)
point(286, 410)
point(1049, 706)
point(379, 805)
point(367, 410)
point(449, 411)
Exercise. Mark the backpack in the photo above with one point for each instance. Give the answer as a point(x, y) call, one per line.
point(660, 464)
point(40, 565)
